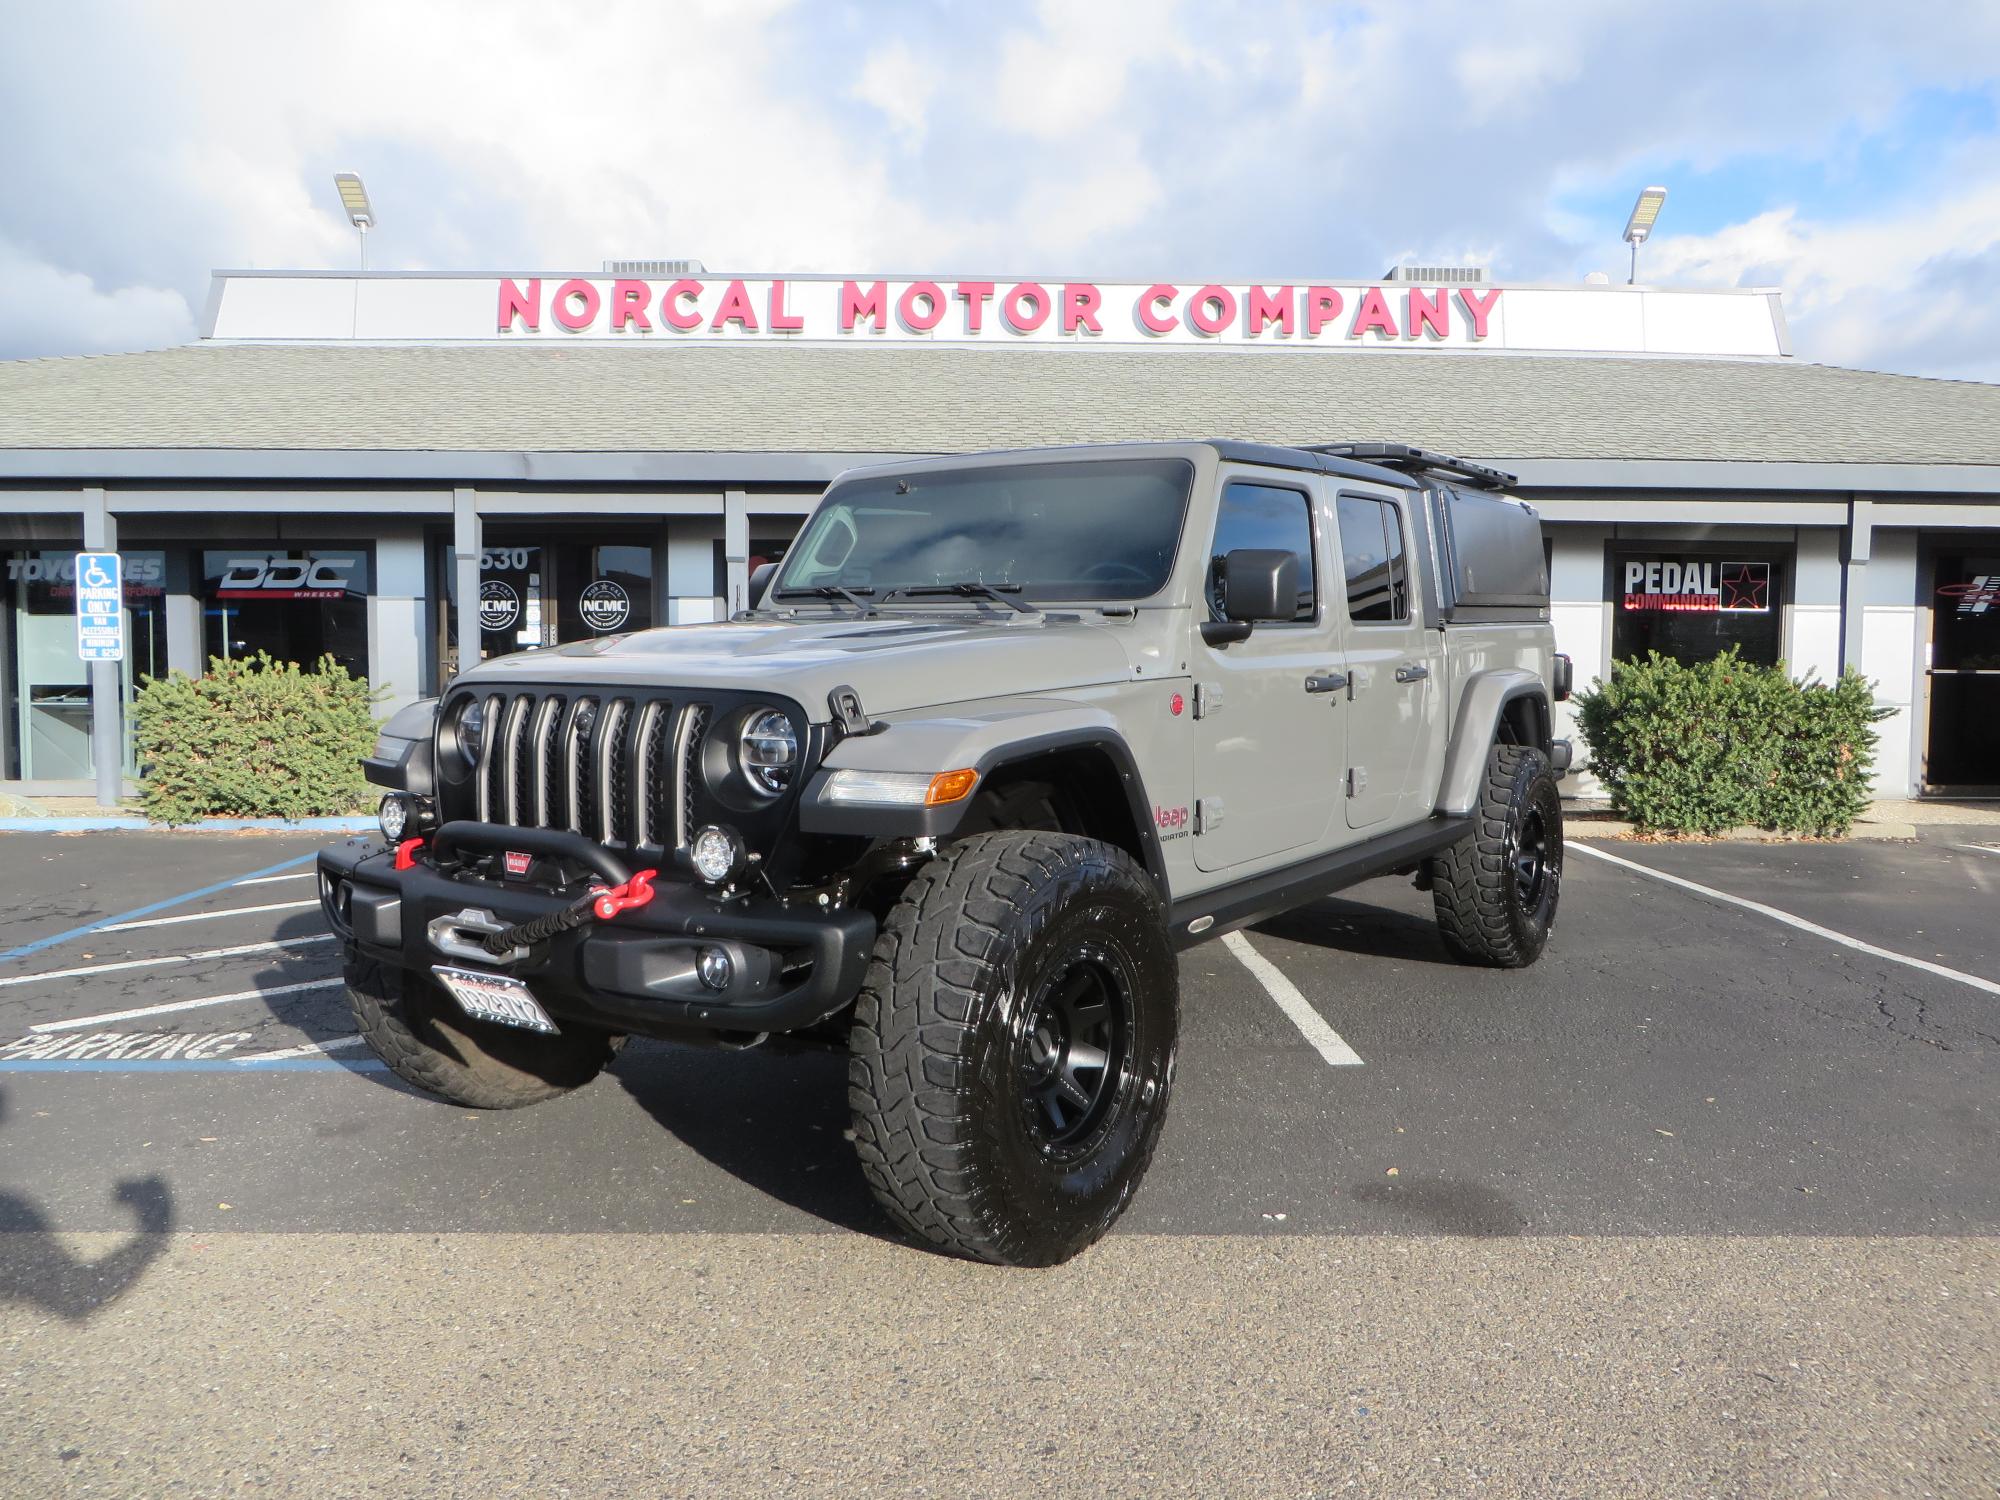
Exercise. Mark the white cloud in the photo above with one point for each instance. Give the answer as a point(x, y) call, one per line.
point(894, 82)
point(1198, 138)
point(45, 310)
point(1908, 288)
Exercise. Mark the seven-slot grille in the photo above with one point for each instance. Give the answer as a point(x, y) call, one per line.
point(618, 770)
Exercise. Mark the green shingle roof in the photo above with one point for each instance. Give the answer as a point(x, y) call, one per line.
point(534, 398)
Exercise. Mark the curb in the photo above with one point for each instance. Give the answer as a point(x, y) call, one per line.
point(113, 823)
point(1861, 832)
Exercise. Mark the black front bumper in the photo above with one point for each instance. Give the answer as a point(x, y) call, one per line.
point(789, 966)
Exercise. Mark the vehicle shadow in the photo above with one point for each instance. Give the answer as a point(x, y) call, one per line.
point(775, 1121)
point(1357, 927)
point(38, 1269)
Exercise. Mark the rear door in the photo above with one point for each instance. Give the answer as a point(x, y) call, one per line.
point(1268, 752)
point(1394, 665)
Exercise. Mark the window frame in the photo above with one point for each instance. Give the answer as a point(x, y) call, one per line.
point(1408, 616)
point(1304, 493)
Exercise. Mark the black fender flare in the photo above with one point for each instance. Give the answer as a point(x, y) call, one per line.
point(1481, 708)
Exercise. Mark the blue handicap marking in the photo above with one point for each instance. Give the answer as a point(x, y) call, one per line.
point(100, 607)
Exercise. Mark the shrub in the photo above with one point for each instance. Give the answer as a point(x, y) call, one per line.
point(1721, 743)
point(254, 738)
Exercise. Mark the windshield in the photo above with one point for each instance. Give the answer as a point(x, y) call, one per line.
point(1096, 529)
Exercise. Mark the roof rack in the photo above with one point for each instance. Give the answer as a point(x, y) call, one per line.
point(1403, 456)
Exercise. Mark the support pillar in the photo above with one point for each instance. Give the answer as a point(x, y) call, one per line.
point(1854, 579)
point(736, 549)
point(107, 678)
point(466, 548)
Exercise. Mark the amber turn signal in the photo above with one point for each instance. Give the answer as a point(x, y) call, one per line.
point(950, 786)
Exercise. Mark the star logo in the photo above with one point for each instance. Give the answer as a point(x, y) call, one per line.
point(1746, 586)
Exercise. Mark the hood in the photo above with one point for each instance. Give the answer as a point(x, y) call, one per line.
point(895, 663)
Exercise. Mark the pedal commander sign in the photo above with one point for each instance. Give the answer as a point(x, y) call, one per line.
point(1698, 585)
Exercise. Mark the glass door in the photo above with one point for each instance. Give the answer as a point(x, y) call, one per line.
point(1963, 743)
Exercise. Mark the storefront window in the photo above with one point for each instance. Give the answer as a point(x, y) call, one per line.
point(534, 592)
point(48, 694)
point(299, 604)
point(1695, 605)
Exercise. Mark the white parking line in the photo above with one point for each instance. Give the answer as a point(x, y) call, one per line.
point(1323, 1038)
point(203, 916)
point(161, 1010)
point(1789, 920)
point(274, 879)
point(171, 958)
point(311, 1049)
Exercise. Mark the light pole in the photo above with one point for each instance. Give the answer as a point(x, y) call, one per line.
point(1639, 228)
point(354, 198)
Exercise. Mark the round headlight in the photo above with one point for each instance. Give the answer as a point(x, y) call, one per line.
point(716, 854)
point(394, 816)
point(466, 727)
point(768, 750)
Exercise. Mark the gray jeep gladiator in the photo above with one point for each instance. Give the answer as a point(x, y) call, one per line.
point(1002, 734)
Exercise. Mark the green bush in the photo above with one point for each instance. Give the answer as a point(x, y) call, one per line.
point(254, 738)
point(1723, 743)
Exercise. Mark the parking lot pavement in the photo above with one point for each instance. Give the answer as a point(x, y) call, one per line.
point(1684, 1091)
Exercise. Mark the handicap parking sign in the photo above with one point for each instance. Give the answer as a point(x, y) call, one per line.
point(100, 607)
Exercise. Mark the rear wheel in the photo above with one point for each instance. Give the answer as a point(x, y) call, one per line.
point(429, 1042)
point(1495, 891)
point(1013, 1046)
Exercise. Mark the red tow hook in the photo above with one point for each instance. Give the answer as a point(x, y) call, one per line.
point(406, 853)
point(634, 893)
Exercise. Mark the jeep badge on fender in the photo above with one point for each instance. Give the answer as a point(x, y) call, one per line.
point(920, 802)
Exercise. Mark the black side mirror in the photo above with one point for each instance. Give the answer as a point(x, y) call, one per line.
point(760, 580)
point(1256, 585)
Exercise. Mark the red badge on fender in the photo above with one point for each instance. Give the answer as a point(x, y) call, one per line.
point(517, 864)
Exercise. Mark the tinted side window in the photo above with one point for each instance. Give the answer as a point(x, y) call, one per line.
point(1264, 515)
point(1372, 556)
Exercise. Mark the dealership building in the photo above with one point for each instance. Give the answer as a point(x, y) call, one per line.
point(393, 469)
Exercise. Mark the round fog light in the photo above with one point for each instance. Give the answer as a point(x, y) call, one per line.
point(394, 816)
point(714, 967)
point(716, 854)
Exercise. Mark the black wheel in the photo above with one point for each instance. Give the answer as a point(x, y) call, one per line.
point(427, 1041)
point(1013, 1046)
point(1496, 889)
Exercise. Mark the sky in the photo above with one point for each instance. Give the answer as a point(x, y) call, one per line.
point(1844, 150)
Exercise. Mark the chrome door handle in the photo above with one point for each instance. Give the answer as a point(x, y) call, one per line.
point(1411, 672)
point(1326, 682)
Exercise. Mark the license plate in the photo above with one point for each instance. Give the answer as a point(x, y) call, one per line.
point(494, 997)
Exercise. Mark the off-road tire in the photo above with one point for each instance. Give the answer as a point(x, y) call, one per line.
point(949, 1134)
point(426, 1041)
point(1483, 912)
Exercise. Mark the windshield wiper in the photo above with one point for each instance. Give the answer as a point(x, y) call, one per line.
point(997, 592)
point(832, 591)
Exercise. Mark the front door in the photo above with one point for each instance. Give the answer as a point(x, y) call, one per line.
point(1962, 749)
point(1393, 667)
point(1267, 751)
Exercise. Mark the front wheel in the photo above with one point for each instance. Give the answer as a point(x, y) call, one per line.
point(1495, 891)
point(1013, 1046)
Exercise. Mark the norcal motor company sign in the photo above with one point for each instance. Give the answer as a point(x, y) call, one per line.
point(970, 311)
point(404, 307)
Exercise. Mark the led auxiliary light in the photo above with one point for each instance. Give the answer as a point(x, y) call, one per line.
point(716, 854)
point(394, 816)
point(898, 788)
